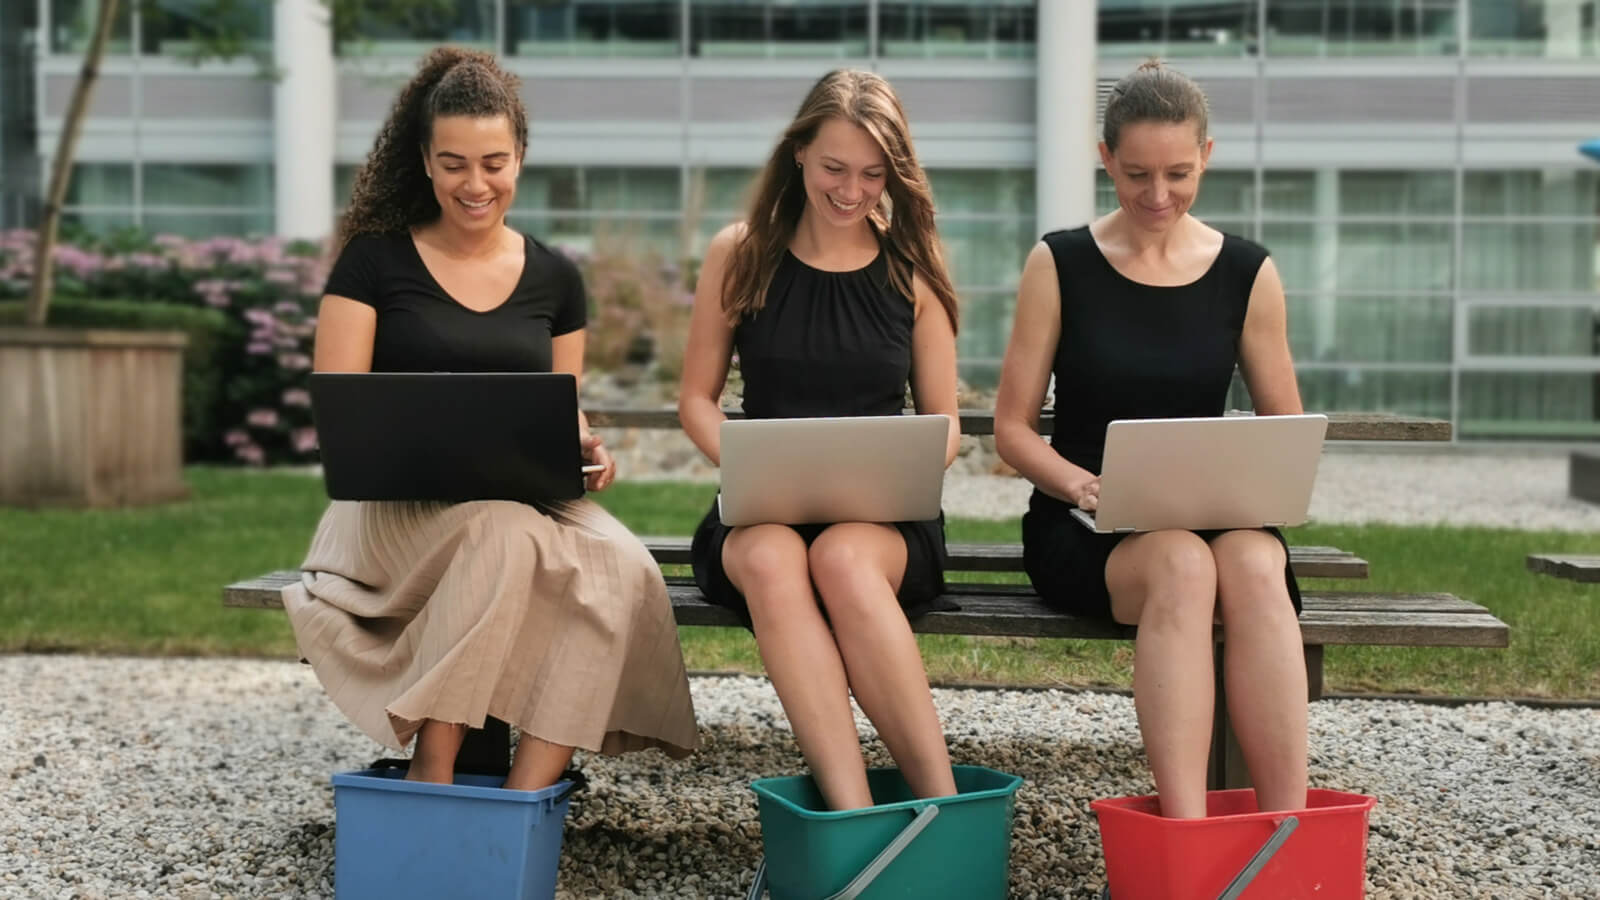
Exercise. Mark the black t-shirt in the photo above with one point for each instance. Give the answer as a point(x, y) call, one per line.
point(421, 329)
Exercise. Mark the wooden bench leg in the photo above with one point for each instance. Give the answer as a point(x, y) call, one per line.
point(486, 750)
point(1227, 767)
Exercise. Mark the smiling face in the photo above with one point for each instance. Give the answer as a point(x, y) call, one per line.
point(845, 173)
point(1156, 170)
point(473, 162)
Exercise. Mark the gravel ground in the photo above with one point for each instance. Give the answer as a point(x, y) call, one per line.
point(209, 778)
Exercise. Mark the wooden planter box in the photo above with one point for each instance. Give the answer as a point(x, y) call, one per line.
point(90, 417)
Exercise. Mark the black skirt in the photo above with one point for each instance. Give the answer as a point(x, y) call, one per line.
point(1067, 562)
point(921, 586)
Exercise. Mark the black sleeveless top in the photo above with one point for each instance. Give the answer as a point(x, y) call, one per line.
point(826, 344)
point(1135, 351)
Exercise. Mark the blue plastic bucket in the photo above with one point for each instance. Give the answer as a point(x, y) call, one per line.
point(398, 839)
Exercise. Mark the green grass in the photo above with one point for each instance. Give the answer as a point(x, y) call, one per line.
point(147, 581)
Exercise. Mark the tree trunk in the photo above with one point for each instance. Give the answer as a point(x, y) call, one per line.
point(61, 174)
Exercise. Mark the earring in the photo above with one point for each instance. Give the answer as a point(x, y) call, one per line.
point(799, 165)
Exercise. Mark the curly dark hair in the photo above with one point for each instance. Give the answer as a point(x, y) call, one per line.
point(391, 191)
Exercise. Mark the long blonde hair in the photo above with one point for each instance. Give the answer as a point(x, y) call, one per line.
point(903, 219)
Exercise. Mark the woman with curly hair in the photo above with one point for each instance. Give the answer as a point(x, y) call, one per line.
point(421, 619)
point(835, 296)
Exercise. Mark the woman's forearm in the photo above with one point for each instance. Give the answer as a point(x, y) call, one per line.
point(702, 419)
point(1023, 449)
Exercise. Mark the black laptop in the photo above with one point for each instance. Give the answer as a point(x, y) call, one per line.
point(448, 435)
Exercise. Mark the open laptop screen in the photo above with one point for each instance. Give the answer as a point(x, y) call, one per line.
point(448, 436)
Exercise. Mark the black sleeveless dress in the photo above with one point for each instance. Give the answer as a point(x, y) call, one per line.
point(1129, 351)
point(827, 344)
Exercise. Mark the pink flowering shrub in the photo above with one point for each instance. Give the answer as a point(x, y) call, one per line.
point(258, 410)
point(267, 288)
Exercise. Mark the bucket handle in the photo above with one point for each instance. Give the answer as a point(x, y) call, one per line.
point(1260, 859)
point(866, 876)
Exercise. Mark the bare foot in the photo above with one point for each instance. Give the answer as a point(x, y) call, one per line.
point(538, 764)
point(434, 759)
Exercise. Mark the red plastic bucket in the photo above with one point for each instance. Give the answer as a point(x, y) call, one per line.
point(1149, 857)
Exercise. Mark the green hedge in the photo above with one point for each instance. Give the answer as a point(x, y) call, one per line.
point(210, 334)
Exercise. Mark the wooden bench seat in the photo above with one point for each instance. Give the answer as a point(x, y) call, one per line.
point(1571, 566)
point(999, 610)
point(1006, 610)
point(991, 609)
point(1583, 475)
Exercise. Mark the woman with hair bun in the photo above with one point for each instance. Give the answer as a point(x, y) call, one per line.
point(421, 619)
point(1145, 313)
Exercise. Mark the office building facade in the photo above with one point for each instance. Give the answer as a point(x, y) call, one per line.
point(1411, 164)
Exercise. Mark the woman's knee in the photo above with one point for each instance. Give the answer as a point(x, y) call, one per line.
point(1177, 580)
point(764, 555)
point(1250, 574)
point(845, 560)
point(1180, 564)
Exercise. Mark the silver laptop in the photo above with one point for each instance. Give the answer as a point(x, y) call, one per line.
point(847, 469)
point(1207, 473)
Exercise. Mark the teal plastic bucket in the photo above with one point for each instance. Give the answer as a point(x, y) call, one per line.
point(397, 839)
point(957, 846)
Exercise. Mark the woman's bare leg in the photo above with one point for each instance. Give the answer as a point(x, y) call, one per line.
point(767, 563)
point(1265, 665)
point(434, 757)
point(1166, 583)
point(538, 763)
point(857, 569)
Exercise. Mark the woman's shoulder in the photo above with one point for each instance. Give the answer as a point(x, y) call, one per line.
point(1241, 254)
point(374, 243)
point(1067, 238)
point(728, 237)
point(546, 258)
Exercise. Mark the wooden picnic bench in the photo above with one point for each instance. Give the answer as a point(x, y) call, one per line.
point(992, 608)
point(1583, 475)
point(1571, 566)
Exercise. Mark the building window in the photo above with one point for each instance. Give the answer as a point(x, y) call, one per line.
point(1362, 28)
point(189, 199)
point(1532, 231)
point(1530, 273)
point(180, 29)
point(987, 223)
point(715, 198)
point(72, 27)
point(578, 206)
point(464, 23)
point(1552, 28)
point(1178, 28)
point(204, 199)
point(999, 29)
point(810, 29)
point(100, 198)
point(613, 28)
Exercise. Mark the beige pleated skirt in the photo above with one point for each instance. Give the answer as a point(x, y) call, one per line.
point(552, 618)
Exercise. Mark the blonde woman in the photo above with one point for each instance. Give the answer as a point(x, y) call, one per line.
point(834, 294)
